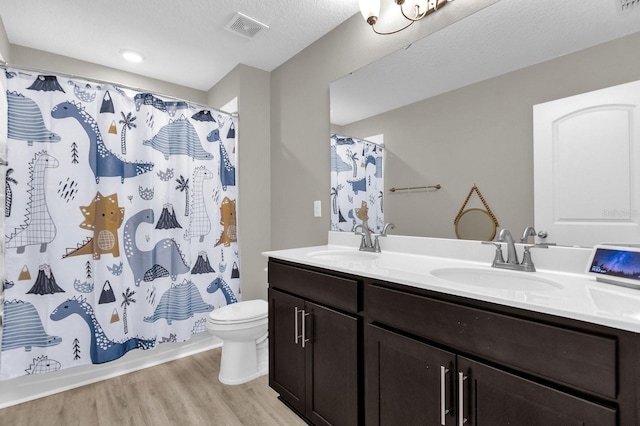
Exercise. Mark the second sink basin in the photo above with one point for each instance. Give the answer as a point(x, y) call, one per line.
point(497, 278)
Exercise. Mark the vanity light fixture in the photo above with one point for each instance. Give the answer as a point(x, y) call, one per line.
point(131, 56)
point(370, 10)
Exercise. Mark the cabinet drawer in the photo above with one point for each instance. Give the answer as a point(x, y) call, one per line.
point(338, 292)
point(580, 360)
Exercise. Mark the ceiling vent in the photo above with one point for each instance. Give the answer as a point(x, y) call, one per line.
point(627, 5)
point(243, 25)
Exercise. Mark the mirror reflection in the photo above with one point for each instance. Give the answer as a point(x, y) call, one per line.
point(456, 107)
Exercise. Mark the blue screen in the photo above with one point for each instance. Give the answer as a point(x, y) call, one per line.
point(616, 263)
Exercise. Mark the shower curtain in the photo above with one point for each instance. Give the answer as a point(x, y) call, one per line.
point(357, 184)
point(119, 224)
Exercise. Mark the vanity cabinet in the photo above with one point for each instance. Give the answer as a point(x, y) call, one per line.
point(410, 382)
point(350, 350)
point(314, 342)
point(434, 362)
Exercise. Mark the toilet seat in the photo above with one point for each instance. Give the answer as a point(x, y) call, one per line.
point(239, 313)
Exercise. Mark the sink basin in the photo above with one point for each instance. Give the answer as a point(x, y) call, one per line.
point(497, 279)
point(343, 255)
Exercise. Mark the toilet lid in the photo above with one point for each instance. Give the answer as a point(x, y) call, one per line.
point(241, 311)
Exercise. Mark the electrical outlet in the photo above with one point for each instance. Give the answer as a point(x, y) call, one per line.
point(317, 208)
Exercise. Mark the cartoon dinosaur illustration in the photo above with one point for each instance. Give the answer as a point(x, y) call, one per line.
point(102, 161)
point(43, 364)
point(102, 349)
point(227, 170)
point(179, 137)
point(103, 216)
point(164, 260)
point(220, 284)
point(228, 222)
point(23, 327)
point(179, 303)
point(25, 120)
point(377, 162)
point(358, 185)
point(84, 93)
point(199, 222)
point(38, 227)
point(170, 107)
point(337, 163)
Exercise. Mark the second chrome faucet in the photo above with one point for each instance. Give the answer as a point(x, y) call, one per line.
point(512, 261)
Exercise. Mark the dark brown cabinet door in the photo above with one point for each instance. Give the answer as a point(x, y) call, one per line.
point(316, 373)
point(286, 357)
point(407, 382)
point(492, 397)
point(332, 366)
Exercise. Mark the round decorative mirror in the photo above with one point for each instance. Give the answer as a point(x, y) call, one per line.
point(475, 224)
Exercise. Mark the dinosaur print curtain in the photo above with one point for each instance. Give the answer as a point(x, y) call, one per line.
point(119, 224)
point(357, 185)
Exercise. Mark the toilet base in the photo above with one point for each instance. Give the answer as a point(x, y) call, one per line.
point(242, 362)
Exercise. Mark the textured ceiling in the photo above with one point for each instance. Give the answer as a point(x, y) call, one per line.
point(506, 36)
point(184, 42)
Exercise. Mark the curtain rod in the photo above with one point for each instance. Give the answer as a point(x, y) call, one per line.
point(6, 65)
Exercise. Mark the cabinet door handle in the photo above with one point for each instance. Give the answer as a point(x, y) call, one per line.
point(295, 324)
point(443, 395)
point(461, 418)
point(304, 328)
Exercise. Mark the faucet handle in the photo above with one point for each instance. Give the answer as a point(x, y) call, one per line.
point(498, 257)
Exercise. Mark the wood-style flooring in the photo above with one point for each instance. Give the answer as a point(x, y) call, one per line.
point(183, 392)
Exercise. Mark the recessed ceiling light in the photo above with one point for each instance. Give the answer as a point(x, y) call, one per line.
point(132, 56)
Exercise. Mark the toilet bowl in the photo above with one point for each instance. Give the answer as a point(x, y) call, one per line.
point(242, 327)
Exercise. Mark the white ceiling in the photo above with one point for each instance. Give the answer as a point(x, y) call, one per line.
point(184, 42)
point(506, 36)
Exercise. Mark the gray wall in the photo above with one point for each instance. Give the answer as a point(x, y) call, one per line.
point(252, 88)
point(38, 59)
point(4, 43)
point(483, 134)
point(300, 118)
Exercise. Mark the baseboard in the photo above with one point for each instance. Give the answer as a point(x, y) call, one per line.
point(27, 388)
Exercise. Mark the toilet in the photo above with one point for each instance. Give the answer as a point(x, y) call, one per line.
point(242, 327)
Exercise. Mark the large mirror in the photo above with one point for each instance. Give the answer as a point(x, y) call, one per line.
point(455, 108)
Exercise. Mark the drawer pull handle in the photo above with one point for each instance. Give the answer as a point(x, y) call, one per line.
point(461, 418)
point(295, 324)
point(443, 395)
point(304, 328)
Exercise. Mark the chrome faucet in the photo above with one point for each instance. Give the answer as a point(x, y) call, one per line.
point(506, 237)
point(512, 256)
point(365, 243)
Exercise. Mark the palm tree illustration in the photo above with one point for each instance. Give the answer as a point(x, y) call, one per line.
point(8, 193)
point(127, 122)
point(183, 186)
point(354, 159)
point(128, 299)
point(334, 197)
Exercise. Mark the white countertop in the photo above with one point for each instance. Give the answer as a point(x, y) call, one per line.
point(412, 261)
